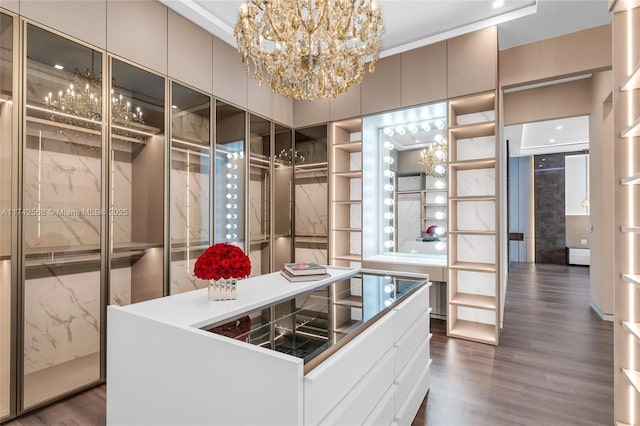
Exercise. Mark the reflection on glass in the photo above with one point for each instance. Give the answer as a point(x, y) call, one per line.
point(230, 174)
point(62, 185)
point(259, 195)
point(6, 126)
point(190, 177)
point(137, 184)
point(311, 324)
point(283, 198)
point(311, 206)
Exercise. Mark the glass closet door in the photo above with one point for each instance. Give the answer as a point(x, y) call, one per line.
point(6, 218)
point(190, 184)
point(230, 172)
point(136, 210)
point(282, 196)
point(62, 218)
point(260, 195)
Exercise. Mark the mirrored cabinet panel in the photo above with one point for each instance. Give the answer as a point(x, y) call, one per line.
point(230, 169)
point(190, 187)
point(136, 210)
point(311, 211)
point(259, 194)
point(62, 150)
point(6, 219)
point(283, 196)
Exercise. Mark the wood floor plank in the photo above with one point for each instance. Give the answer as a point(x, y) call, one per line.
point(554, 365)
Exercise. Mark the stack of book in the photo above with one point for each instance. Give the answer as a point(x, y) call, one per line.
point(305, 271)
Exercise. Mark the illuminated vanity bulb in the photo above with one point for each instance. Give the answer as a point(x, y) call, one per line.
point(235, 226)
point(235, 206)
point(413, 128)
point(229, 156)
point(388, 145)
point(235, 236)
point(388, 288)
point(388, 201)
point(235, 186)
point(229, 216)
point(235, 176)
point(235, 166)
point(388, 131)
point(388, 159)
point(439, 199)
point(439, 153)
point(228, 186)
point(439, 184)
point(229, 165)
point(229, 175)
point(229, 206)
point(439, 169)
point(388, 302)
point(426, 126)
point(439, 123)
point(439, 138)
point(439, 215)
point(440, 246)
point(235, 216)
point(228, 236)
point(400, 130)
point(228, 196)
point(388, 187)
point(389, 244)
point(235, 196)
point(388, 229)
point(439, 230)
point(389, 173)
point(228, 226)
point(235, 155)
point(388, 215)
point(241, 155)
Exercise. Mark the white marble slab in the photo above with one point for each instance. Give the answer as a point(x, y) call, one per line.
point(190, 126)
point(476, 117)
point(476, 216)
point(311, 206)
point(408, 221)
point(182, 278)
point(409, 183)
point(439, 184)
point(476, 248)
point(62, 319)
point(476, 315)
point(307, 254)
point(476, 282)
point(476, 148)
point(476, 182)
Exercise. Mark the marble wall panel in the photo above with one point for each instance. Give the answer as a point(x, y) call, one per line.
point(192, 127)
point(476, 182)
point(62, 319)
point(258, 204)
point(476, 248)
point(476, 148)
point(122, 180)
point(408, 221)
point(311, 253)
point(476, 282)
point(311, 205)
point(476, 315)
point(476, 216)
point(182, 279)
point(408, 183)
point(476, 117)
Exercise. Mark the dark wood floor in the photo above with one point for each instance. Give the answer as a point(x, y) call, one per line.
point(554, 365)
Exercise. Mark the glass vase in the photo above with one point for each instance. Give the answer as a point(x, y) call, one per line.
point(222, 289)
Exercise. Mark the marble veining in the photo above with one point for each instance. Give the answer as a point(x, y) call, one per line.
point(476, 282)
point(476, 216)
point(258, 204)
point(62, 319)
point(476, 248)
point(122, 178)
point(476, 148)
point(191, 126)
point(311, 206)
point(182, 278)
point(308, 254)
point(408, 221)
point(476, 315)
point(476, 117)
point(120, 286)
point(476, 182)
point(408, 183)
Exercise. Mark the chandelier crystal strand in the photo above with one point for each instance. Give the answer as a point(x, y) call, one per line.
point(433, 160)
point(309, 49)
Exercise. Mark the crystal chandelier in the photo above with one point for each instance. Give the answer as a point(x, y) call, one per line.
point(287, 156)
point(433, 160)
point(309, 49)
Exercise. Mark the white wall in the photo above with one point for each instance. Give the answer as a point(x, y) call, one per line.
point(521, 209)
point(576, 184)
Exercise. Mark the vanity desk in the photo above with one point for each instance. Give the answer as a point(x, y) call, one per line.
point(349, 349)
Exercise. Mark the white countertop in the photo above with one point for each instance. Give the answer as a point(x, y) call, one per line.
point(411, 258)
point(194, 309)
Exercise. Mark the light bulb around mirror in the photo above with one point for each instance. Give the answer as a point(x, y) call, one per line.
point(440, 246)
point(389, 173)
point(388, 201)
point(228, 236)
point(400, 130)
point(389, 244)
point(439, 138)
point(413, 128)
point(439, 199)
point(388, 229)
point(389, 288)
point(388, 302)
point(388, 145)
point(426, 126)
point(439, 123)
point(439, 184)
point(388, 131)
point(388, 159)
point(388, 215)
point(439, 153)
point(388, 187)
point(439, 215)
point(439, 230)
point(439, 169)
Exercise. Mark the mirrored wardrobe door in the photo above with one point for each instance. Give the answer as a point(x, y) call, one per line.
point(259, 195)
point(62, 163)
point(283, 196)
point(189, 184)
point(7, 220)
point(136, 210)
point(230, 171)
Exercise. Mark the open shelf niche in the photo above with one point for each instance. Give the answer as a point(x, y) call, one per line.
point(345, 171)
point(473, 249)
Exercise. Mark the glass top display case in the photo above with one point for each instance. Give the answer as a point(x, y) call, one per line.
point(314, 325)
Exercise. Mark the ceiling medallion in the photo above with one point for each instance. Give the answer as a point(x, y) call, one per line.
point(309, 49)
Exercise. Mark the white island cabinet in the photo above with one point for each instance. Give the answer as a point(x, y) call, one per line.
point(350, 349)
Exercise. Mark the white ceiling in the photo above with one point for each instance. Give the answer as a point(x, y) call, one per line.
point(547, 137)
point(414, 23)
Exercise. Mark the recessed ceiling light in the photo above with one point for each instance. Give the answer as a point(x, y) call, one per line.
point(174, 106)
point(58, 67)
point(498, 3)
point(558, 127)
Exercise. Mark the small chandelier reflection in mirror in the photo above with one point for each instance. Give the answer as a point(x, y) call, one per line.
point(433, 160)
point(309, 49)
point(287, 156)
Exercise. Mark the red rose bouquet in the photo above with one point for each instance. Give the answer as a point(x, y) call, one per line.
point(222, 261)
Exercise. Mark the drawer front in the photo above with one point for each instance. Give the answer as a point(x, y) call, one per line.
point(331, 381)
point(407, 377)
point(410, 342)
point(409, 408)
point(364, 398)
point(384, 412)
point(408, 312)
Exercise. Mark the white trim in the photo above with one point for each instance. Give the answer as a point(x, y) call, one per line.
point(605, 317)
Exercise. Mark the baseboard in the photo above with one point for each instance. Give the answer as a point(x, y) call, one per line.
point(601, 314)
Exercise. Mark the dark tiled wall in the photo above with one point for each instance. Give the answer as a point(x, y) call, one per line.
point(549, 208)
